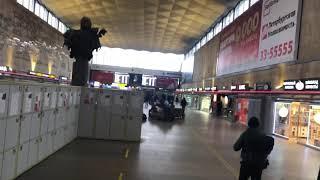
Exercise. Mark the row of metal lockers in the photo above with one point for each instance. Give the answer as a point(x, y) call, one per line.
point(111, 114)
point(35, 121)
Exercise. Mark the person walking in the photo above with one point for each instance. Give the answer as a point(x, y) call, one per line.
point(183, 104)
point(318, 174)
point(255, 147)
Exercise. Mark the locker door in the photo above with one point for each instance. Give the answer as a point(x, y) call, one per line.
point(67, 135)
point(27, 100)
point(86, 120)
point(25, 130)
point(1, 159)
point(119, 102)
point(61, 99)
point(60, 118)
point(4, 96)
point(56, 140)
point(46, 97)
point(105, 98)
point(61, 141)
point(23, 153)
point(33, 152)
point(76, 114)
point(53, 100)
point(12, 133)
point(43, 147)
point(117, 125)
point(133, 127)
point(70, 98)
point(15, 100)
point(102, 123)
point(2, 135)
point(9, 164)
point(35, 126)
point(44, 122)
point(50, 142)
point(135, 103)
point(51, 120)
point(37, 99)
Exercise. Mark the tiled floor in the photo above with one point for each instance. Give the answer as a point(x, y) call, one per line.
point(197, 148)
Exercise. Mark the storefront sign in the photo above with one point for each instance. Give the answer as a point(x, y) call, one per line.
point(263, 86)
point(266, 34)
point(166, 82)
point(102, 76)
point(208, 89)
point(233, 88)
point(302, 85)
point(243, 87)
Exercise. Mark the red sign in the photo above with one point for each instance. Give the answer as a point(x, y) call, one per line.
point(166, 83)
point(239, 42)
point(102, 77)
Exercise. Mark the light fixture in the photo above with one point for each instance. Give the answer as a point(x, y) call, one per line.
point(283, 112)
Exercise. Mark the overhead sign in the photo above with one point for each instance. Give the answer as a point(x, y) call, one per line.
point(302, 85)
point(233, 87)
point(264, 35)
point(243, 87)
point(166, 82)
point(263, 86)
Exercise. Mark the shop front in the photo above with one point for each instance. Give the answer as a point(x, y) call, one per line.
point(205, 103)
point(298, 122)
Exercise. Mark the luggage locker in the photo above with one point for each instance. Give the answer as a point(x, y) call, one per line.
point(15, 100)
point(25, 128)
point(87, 113)
point(23, 153)
point(9, 164)
point(4, 99)
point(12, 133)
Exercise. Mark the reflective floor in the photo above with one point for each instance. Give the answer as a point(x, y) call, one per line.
point(197, 148)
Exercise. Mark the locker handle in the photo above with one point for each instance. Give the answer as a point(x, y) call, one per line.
point(21, 147)
point(130, 118)
point(17, 120)
point(14, 151)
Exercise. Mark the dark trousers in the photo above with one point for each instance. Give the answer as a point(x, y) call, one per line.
point(319, 175)
point(80, 72)
point(252, 171)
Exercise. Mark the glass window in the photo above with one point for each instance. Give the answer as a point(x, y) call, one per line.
point(28, 4)
point(20, 2)
point(62, 27)
point(314, 126)
point(43, 13)
point(217, 28)
point(246, 5)
point(203, 40)
point(210, 35)
point(252, 2)
point(37, 9)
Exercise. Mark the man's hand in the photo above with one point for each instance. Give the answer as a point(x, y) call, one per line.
point(102, 32)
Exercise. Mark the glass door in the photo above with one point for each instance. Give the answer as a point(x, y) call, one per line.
point(298, 122)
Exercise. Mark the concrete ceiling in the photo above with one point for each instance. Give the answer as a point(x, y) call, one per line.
point(169, 26)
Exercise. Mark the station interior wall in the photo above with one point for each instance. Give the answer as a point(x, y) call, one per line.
point(306, 66)
point(40, 46)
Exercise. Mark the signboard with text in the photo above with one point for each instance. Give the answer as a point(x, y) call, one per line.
point(266, 34)
point(302, 85)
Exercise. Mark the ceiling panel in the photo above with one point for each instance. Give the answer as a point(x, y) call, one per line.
point(153, 25)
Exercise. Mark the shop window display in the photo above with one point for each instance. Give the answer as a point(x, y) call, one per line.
point(281, 119)
point(299, 122)
point(314, 126)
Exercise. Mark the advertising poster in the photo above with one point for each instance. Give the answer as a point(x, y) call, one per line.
point(166, 83)
point(266, 34)
point(102, 77)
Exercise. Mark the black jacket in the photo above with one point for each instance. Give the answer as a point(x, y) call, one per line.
point(254, 145)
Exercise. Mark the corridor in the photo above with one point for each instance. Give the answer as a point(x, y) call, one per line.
point(197, 148)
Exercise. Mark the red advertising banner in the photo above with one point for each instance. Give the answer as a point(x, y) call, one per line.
point(166, 82)
point(239, 42)
point(102, 76)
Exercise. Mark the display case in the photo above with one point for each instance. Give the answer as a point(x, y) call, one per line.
point(314, 126)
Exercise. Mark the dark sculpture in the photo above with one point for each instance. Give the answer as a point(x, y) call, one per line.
point(81, 43)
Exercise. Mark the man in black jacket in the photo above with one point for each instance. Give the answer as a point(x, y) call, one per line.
point(255, 147)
